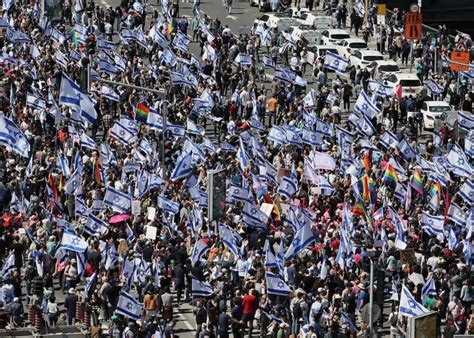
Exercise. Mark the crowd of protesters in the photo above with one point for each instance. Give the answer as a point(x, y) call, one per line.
point(339, 195)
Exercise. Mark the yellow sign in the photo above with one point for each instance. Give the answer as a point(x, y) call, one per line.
point(382, 9)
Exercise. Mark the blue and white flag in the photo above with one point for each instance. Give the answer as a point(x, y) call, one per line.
point(335, 62)
point(80, 208)
point(90, 281)
point(9, 265)
point(292, 136)
point(157, 36)
point(181, 42)
point(193, 128)
point(288, 185)
point(70, 93)
point(122, 134)
point(456, 214)
point(87, 142)
point(467, 251)
point(268, 62)
point(453, 241)
point(285, 75)
point(61, 59)
point(176, 130)
point(434, 87)
point(365, 126)
point(154, 121)
point(95, 226)
point(380, 89)
point(57, 36)
point(201, 288)
point(230, 238)
point(409, 307)
point(12, 136)
point(167, 205)
point(303, 237)
point(117, 200)
point(128, 306)
point(73, 243)
point(276, 285)
point(73, 185)
point(109, 93)
point(360, 8)
point(238, 194)
point(242, 156)
point(200, 248)
point(35, 102)
point(433, 225)
point(312, 138)
point(388, 139)
point(465, 120)
point(309, 100)
point(63, 164)
point(406, 150)
point(466, 191)
point(243, 59)
point(184, 167)
point(459, 162)
point(107, 68)
point(128, 272)
point(277, 134)
point(105, 44)
point(178, 79)
point(254, 217)
point(365, 105)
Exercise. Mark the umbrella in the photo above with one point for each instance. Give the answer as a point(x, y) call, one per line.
point(118, 218)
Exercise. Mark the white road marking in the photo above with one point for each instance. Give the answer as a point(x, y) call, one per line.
point(186, 322)
point(232, 17)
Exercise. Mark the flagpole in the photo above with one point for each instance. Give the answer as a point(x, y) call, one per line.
point(371, 299)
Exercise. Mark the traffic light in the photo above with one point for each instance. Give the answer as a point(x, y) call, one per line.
point(91, 43)
point(168, 153)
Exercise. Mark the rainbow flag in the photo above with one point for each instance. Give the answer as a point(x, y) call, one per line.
point(390, 177)
point(417, 183)
point(358, 208)
point(141, 112)
point(435, 189)
point(96, 171)
point(364, 182)
point(372, 191)
point(366, 161)
point(53, 185)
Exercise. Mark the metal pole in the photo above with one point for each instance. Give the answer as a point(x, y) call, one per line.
point(411, 55)
point(371, 299)
point(164, 112)
point(366, 14)
point(89, 74)
point(161, 92)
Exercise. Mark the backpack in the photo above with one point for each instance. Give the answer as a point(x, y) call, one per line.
point(297, 312)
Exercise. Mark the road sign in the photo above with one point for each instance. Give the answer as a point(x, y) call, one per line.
point(461, 57)
point(414, 8)
point(382, 9)
point(413, 26)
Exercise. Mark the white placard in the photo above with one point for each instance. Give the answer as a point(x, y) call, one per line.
point(136, 207)
point(267, 208)
point(151, 232)
point(151, 213)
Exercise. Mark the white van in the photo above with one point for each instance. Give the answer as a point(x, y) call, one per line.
point(281, 22)
point(304, 32)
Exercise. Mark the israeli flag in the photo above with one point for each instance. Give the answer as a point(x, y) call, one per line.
point(128, 272)
point(73, 185)
point(242, 156)
point(433, 225)
point(105, 44)
point(360, 8)
point(34, 51)
point(453, 241)
point(35, 102)
point(456, 214)
point(277, 134)
point(61, 59)
point(309, 100)
point(178, 79)
point(268, 62)
point(9, 264)
point(70, 93)
point(226, 147)
point(117, 200)
point(57, 36)
point(73, 243)
point(169, 57)
point(388, 139)
point(63, 164)
point(365, 126)
point(95, 226)
point(87, 142)
point(128, 306)
point(80, 208)
point(465, 120)
point(467, 251)
point(285, 75)
point(380, 89)
point(365, 106)
point(409, 307)
point(434, 87)
point(289, 185)
point(167, 205)
point(254, 217)
point(184, 167)
point(230, 238)
point(128, 35)
point(335, 62)
point(120, 63)
point(158, 37)
point(459, 162)
point(109, 93)
point(193, 128)
point(292, 137)
point(107, 67)
point(200, 288)
point(243, 59)
point(407, 150)
point(12, 136)
point(176, 130)
point(324, 128)
point(121, 134)
point(466, 191)
point(200, 248)
point(303, 237)
point(238, 194)
point(181, 42)
point(276, 285)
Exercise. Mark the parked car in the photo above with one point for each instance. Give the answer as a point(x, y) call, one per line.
point(411, 84)
point(332, 36)
point(352, 44)
point(315, 52)
point(317, 22)
point(264, 5)
point(364, 58)
point(431, 110)
point(310, 35)
point(382, 68)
